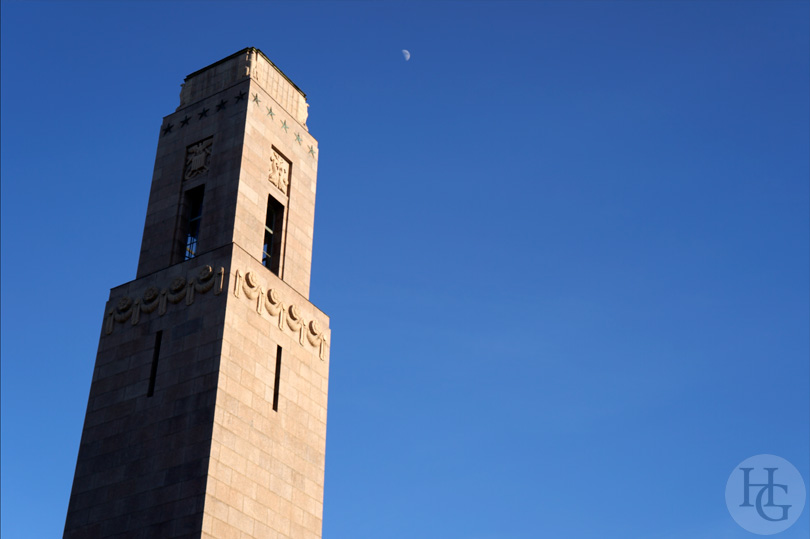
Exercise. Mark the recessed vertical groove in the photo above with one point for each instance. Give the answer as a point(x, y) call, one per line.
point(277, 380)
point(155, 357)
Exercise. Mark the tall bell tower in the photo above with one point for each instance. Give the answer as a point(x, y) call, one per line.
point(207, 409)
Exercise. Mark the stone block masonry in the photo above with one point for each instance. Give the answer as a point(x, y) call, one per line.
point(207, 409)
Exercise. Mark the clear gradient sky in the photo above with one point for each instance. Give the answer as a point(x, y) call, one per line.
point(564, 248)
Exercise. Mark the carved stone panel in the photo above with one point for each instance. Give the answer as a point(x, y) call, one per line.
point(198, 158)
point(279, 174)
point(181, 288)
point(287, 313)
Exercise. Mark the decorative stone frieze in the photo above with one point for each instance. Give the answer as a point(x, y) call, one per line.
point(288, 315)
point(154, 298)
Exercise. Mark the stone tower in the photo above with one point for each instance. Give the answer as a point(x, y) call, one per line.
point(207, 410)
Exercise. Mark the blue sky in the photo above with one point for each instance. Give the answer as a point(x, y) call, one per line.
point(564, 248)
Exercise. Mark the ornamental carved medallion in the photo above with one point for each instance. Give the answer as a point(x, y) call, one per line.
point(279, 171)
point(198, 157)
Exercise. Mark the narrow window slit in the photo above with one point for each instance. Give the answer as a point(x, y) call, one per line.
point(155, 356)
point(278, 379)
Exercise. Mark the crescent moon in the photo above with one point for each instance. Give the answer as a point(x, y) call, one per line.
point(406, 54)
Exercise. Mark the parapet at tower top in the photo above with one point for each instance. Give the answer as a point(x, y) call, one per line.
point(249, 63)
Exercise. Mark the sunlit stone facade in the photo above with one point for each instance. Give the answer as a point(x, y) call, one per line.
point(207, 410)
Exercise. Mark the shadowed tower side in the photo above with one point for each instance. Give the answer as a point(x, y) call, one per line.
point(207, 409)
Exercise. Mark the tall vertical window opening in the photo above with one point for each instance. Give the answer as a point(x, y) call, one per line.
point(194, 202)
point(271, 251)
point(278, 379)
point(155, 357)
